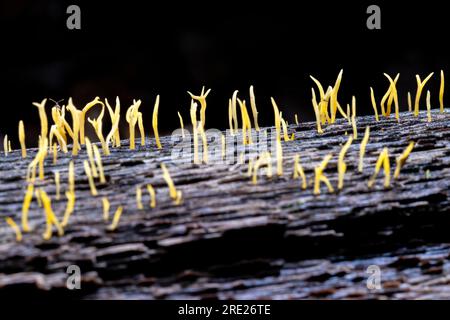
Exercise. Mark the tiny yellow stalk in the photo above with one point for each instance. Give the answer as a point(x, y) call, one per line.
point(15, 228)
point(71, 177)
point(319, 177)
point(88, 172)
point(428, 106)
point(409, 102)
point(334, 102)
point(316, 111)
point(355, 130)
point(298, 171)
point(266, 160)
point(151, 192)
point(441, 92)
point(98, 160)
point(22, 139)
point(202, 100)
point(90, 153)
point(342, 166)
point(230, 117)
point(116, 218)
point(106, 206)
point(57, 185)
point(402, 159)
point(115, 118)
point(69, 208)
point(139, 204)
point(97, 124)
point(5, 144)
point(420, 85)
point(234, 111)
point(50, 216)
point(174, 194)
point(204, 141)
point(393, 96)
point(254, 109)
point(38, 198)
point(362, 149)
point(55, 153)
point(224, 146)
point(82, 116)
point(193, 113)
point(383, 159)
point(181, 125)
point(76, 115)
point(42, 117)
point(296, 119)
point(141, 128)
point(131, 117)
point(155, 122)
point(374, 104)
point(26, 206)
point(43, 151)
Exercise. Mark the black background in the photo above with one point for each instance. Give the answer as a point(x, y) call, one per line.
point(143, 48)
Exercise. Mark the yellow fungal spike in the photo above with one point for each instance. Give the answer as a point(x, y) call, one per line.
point(22, 139)
point(362, 149)
point(98, 160)
point(155, 122)
point(224, 146)
point(90, 153)
point(298, 171)
point(349, 114)
point(246, 139)
point(181, 124)
point(82, 116)
point(43, 150)
point(42, 117)
point(316, 111)
point(334, 102)
point(355, 131)
point(319, 177)
point(152, 194)
point(131, 117)
point(319, 86)
point(392, 96)
point(254, 110)
point(248, 124)
point(296, 119)
point(402, 159)
point(342, 166)
point(264, 159)
point(202, 100)
point(279, 149)
point(441, 92)
point(26, 206)
point(76, 115)
point(141, 128)
point(285, 130)
point(9, 146)
point(55, 153)
point(179, 198)
point(69, 208)
point(169, 181)
point(15, 228)
point(71, 177)
point(409, 102)
point(116, 218)
point(87, 169)
point(383, 159)
point(204, 141)
point(106, 206)
point(57, 185)
point(234, 110)
point(50, 216)
point(5, 145)
point(97, 124)
point(38, 198)
point(374, 104)
point(139, 204)
point(230, 117)
point(62, 143)
point(428, 106)
point(193, 113)
point(420, 85)
point(115, 119)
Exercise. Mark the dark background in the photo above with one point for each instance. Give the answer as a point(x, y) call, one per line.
point(143, 48)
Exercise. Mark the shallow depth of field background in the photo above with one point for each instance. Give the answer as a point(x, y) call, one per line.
point(142, 48)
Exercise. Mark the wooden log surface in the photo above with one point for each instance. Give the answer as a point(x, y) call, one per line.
point(230, 239)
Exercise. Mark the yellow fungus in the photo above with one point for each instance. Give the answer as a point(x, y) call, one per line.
point(362, 149)
point(204, 141)
point(342, 166)
point(181, 124)
point(76, 114)
point(54, 132)
point(279, 148)
point(298, 171)
point(334, 102)
point(246, 125)
point(265, 159)
point(285, 130)
point(50, 216)
point(106, 206)
point(22, 139)
point(116, 218)
point(43, 150)
point(388, 95)
point(98, 160)
point(393, 96)
point(26, 206)
point(409, 102)
point(296, 119)
point(97, 124)
point(5, 145)
point(82, 116)
point(178, 198)
point(349, 114)
point(9, 146)
point(383, 159)
point(139, 204)
point(193, 113)
point(141, 128)
point(42, 117)
point(71, 177)
point(55, 153)
point(253, 106)
point(230, 117)
point(441, 93)
point(151, 192)
point(87, 169)
point(90, 154)
point(38, 198)
point(155, 122)
point(428, 106)
point(57, 185)
point(202, 100)
point(172, 190)
point(114, 132)
point(15, 228)
point(402, 159)
point(131, 117)
point(316, 111)
point(234, 110)
point(374, 104)
point(420, 85)
point(224, 147)
point(355, 131)
point(319, 177)
point(69, 208)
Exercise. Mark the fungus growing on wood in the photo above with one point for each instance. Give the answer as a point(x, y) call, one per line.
point(22, 139)
point(402, 159)
point(15, 228)
point(420, 85)
point(298, 171)
point(320, 177)
point(69, 208)
point(441, 93)
point(362, 149)
point(116, 218)
point(383, 160)
point(106, 206)
point(88, 172)
point(254, 109)
point(342, 166)
point(155, 122)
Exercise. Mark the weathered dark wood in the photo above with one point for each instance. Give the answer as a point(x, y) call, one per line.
point(232, 239)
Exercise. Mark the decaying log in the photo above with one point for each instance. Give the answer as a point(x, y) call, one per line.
point(231, 239)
